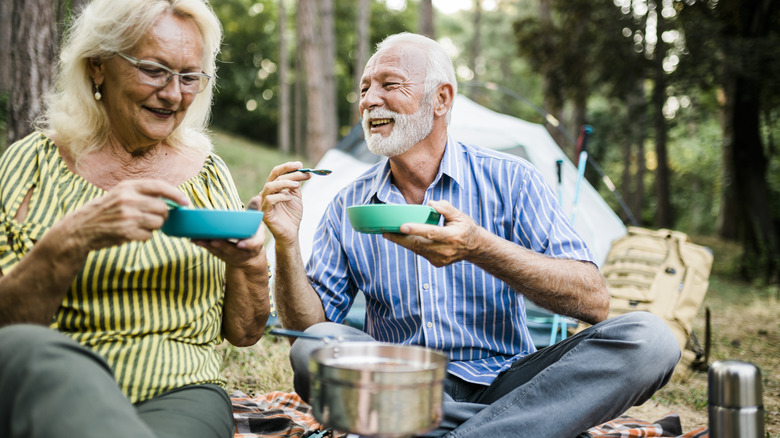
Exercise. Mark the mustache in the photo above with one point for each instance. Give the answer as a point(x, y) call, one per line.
point(379, 113)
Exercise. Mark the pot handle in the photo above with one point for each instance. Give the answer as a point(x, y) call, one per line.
point(300, 334)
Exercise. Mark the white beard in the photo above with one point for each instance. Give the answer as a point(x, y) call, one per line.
point(408, 129)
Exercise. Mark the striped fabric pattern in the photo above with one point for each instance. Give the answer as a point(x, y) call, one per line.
point(476, 319)
point(152, 309)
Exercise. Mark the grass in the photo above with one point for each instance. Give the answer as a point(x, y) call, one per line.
point(743, 316)
point(250, 163)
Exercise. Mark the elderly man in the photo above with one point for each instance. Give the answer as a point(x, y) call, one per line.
point(460, 288)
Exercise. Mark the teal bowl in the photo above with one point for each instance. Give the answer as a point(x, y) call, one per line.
point(201, 223)
point(388, 218)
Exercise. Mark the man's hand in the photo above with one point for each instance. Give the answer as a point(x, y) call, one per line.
point(455, 241)
point(281, 201)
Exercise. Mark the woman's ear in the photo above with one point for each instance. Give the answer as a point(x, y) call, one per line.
point(95, 70)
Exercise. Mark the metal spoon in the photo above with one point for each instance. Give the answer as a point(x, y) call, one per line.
point(171, 204)
point(322, 172)
point(299, 334)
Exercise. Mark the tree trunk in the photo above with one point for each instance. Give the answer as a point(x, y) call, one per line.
point(6, 8)
point(728, 223)
point(551, 84)
point(425, 23)
point(759, 237)
point(637, 121)
point(742, 143)
point(329, 102)
point(475, 49)
point(35, 43)
point(316, 130)
point(664, 214)
point(284, 88)
point(299, 90)
point(361, 52)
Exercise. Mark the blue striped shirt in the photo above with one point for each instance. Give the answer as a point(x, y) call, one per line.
point(476, 319)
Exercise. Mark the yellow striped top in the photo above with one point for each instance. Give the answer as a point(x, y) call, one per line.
point(152, 309)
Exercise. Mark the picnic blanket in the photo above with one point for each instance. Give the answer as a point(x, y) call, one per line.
point(275, 414)
point(285, 415)
point(628, 427)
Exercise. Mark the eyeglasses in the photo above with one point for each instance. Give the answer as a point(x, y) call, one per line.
point(158, 75)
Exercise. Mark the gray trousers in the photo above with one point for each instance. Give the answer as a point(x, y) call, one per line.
point(559, 391)
point(50, 386)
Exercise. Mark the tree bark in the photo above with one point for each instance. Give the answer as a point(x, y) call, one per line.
point(425, 22)
point(744, 149)
point(552, 83)
point(361, 52)
point(475, 48)
point(299, 91)
point(284, 88)
point(664, 216)
point(35, 44)
point(6, 8)
point(328, 68)
point(637, 121)
point(316, 130)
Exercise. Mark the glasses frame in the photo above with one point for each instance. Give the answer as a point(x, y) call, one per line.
point(136, 63)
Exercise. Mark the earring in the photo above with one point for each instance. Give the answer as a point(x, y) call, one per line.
point(97, 94)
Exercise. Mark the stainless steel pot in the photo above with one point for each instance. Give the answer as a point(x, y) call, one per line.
point(375, 389)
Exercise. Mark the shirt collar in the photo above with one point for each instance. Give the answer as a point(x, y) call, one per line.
point(452, 166)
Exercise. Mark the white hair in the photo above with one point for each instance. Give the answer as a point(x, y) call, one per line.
point(439, 69)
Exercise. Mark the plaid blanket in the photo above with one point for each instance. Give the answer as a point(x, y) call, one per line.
point(285, 415)
point(628, 427)
point(277, 415)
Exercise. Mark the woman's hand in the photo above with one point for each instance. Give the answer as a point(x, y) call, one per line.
point(131, 211)
point(246, 253)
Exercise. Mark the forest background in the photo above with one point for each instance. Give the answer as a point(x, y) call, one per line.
point(682, 95)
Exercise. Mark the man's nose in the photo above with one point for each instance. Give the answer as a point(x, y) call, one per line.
point(370, 98)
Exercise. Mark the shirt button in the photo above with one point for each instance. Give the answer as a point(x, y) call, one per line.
point(429, 325)
point(426, 286)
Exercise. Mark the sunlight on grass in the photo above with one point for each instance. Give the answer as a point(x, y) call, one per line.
point(259, 369)
point(250, 163)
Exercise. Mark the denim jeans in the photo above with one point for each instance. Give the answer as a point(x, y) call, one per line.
point(559, 391)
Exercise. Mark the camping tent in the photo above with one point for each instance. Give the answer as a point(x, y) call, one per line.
point(474, 124)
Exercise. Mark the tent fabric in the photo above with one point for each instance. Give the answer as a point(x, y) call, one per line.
point(474, 124)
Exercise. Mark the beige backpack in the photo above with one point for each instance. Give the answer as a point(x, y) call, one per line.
point(662, 272)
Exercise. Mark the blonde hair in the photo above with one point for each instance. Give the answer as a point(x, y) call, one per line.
point(72, 115)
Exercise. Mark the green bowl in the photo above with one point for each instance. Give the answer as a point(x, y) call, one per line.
point(388, 218)
point(201, 223)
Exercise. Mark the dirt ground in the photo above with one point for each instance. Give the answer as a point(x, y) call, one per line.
point(747, 329)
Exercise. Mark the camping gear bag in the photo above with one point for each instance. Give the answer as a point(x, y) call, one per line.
point(664, 273)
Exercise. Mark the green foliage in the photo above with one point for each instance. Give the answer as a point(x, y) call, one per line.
point(246, 101)
point(247, 98)
point(250, 162)
point(497, 62)
point(695, 161)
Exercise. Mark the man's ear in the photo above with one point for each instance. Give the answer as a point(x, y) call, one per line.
point(443, 99)
point(95, 70)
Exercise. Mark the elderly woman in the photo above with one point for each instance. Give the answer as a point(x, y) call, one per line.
point(134, 315)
